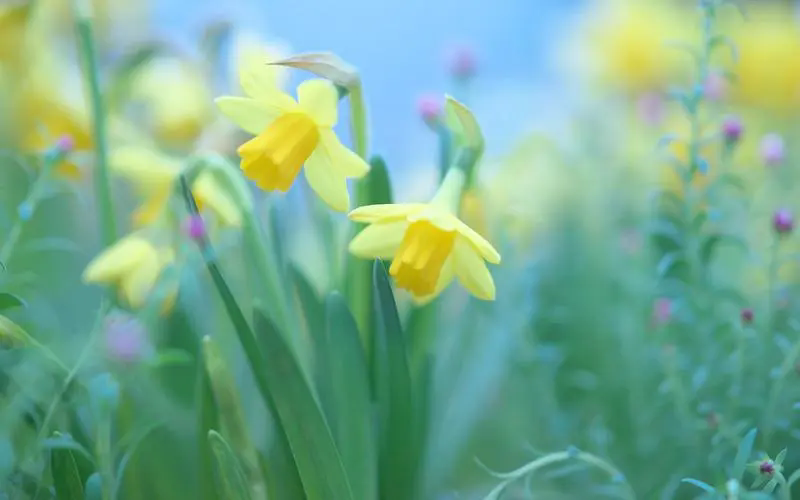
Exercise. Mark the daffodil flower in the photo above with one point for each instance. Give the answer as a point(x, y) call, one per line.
point(133, 264)
point(429, 245)
point(153, 174)
point(290, 133)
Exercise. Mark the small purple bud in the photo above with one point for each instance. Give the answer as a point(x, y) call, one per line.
point(783, 222)
point(65, 144)
point(429, 108)
point(196, 227)
point(716, 87)
point(732, 129)
point(462, 63)
point(125, 338)
point(767, 467)
point(662, 311)
point(773, 149)
point(747, 316)
point(650, 108)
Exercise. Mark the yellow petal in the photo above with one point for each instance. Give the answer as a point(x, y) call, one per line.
point(144, 166)
point(319, 98)
point(257, 77)
point(137, 285)
point(345, 161)
point(471, 270)
point(379, 241)
point(437, 216)
point(152, 208)
point(326, 182)
point(118, 260)
point(479, 243)
point(254, 115)
point(211, 194)
point(385, 212)
point(446, 276)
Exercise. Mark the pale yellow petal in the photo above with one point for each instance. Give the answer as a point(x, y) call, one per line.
point(326, 182)
point(471, 270)
point(379, 240)
point(437, 216)
point(136, 286)
point(254, 115)
point(319, 98)
point(257, 77)
point(207, 190)
point(481, 245)
point(385, 212)
point(117, 260)
point(345, 161)
point(145, 167)
point(446, 276)
point(152, 208)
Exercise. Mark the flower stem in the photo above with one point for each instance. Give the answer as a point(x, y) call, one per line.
point(86, 46)
point(358, 120)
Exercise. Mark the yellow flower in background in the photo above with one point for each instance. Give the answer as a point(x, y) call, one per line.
point(429, 245)
point(291, 133)
point(153, 174)
point(176, 99)
point(133, 265)
point(251, 58)
point(768, 67)
point(13, 28)
point(627, 43)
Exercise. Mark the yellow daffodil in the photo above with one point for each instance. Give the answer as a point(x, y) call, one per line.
point(13, 23)
point(176, 100)
point(133, 264)
point(291, 133)
point(429, 245)
point(153, 174)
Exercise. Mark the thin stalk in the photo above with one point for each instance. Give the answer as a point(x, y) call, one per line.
point(104, 458)
point(102, 188)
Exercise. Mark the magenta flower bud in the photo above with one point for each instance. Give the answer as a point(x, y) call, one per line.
point(196, 227)
point(716, 87)
point(65, 144)
point(773, 149)
point(462, 63)
point(767, 467)
point(662, 311)
point(783, 222)
point(747, 316)
point(732, 129)
point(125, 338)
point(429, 108)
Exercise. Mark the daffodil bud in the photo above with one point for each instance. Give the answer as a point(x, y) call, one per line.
point(324, 64)
point(463, 124)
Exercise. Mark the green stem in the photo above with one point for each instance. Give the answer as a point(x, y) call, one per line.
point(358, 120)
point(104, 459)
point(102, 189)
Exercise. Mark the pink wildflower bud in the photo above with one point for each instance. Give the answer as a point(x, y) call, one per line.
point(196, 227)
point(65, 144)
point(125, 338)
point(732, 129)
point(773, 149)
point(662, 311)
point(747, 316)
point(462, 63)
point(429, 108)
point(716, 87)
point(650, 108)
point(783, 222)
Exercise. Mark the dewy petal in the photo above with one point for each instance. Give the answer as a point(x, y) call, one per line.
point(117, 260)
point(446, 276)
point(345, 161)
point(471, 270)
point(326, 182)
point(379, 241)
point(254, 115)
point(385, 212)
point(319, 98)
point(211, 194)
point(136, 286)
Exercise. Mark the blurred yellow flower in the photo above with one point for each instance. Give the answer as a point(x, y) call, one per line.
point(768, 67)
point(429, 245)
point(627, 43)
point(13, 26)
point(133, 265)
point(153, 175)
point(473, 210)
point(290, 133)
point(176, 98)
point(251, 58)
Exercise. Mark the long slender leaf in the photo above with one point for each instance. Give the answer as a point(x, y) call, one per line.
point(66, 478)
point(743, 454)
point(318, 461)
point(398, 467)
point(231, 480)
point(353, 423)
point(208, 420)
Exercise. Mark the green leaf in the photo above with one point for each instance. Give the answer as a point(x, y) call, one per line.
point(66, 478)
point(94, 487)
point(208, 420)
point(65, 442)
point(780, 457)
point(301, 420)
point(743, 454)
point(9, 301)
point(700, 484)
point(231, 481)
point(394, 394)
point(313, 312)
point(351, 410)
point(715, 240)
